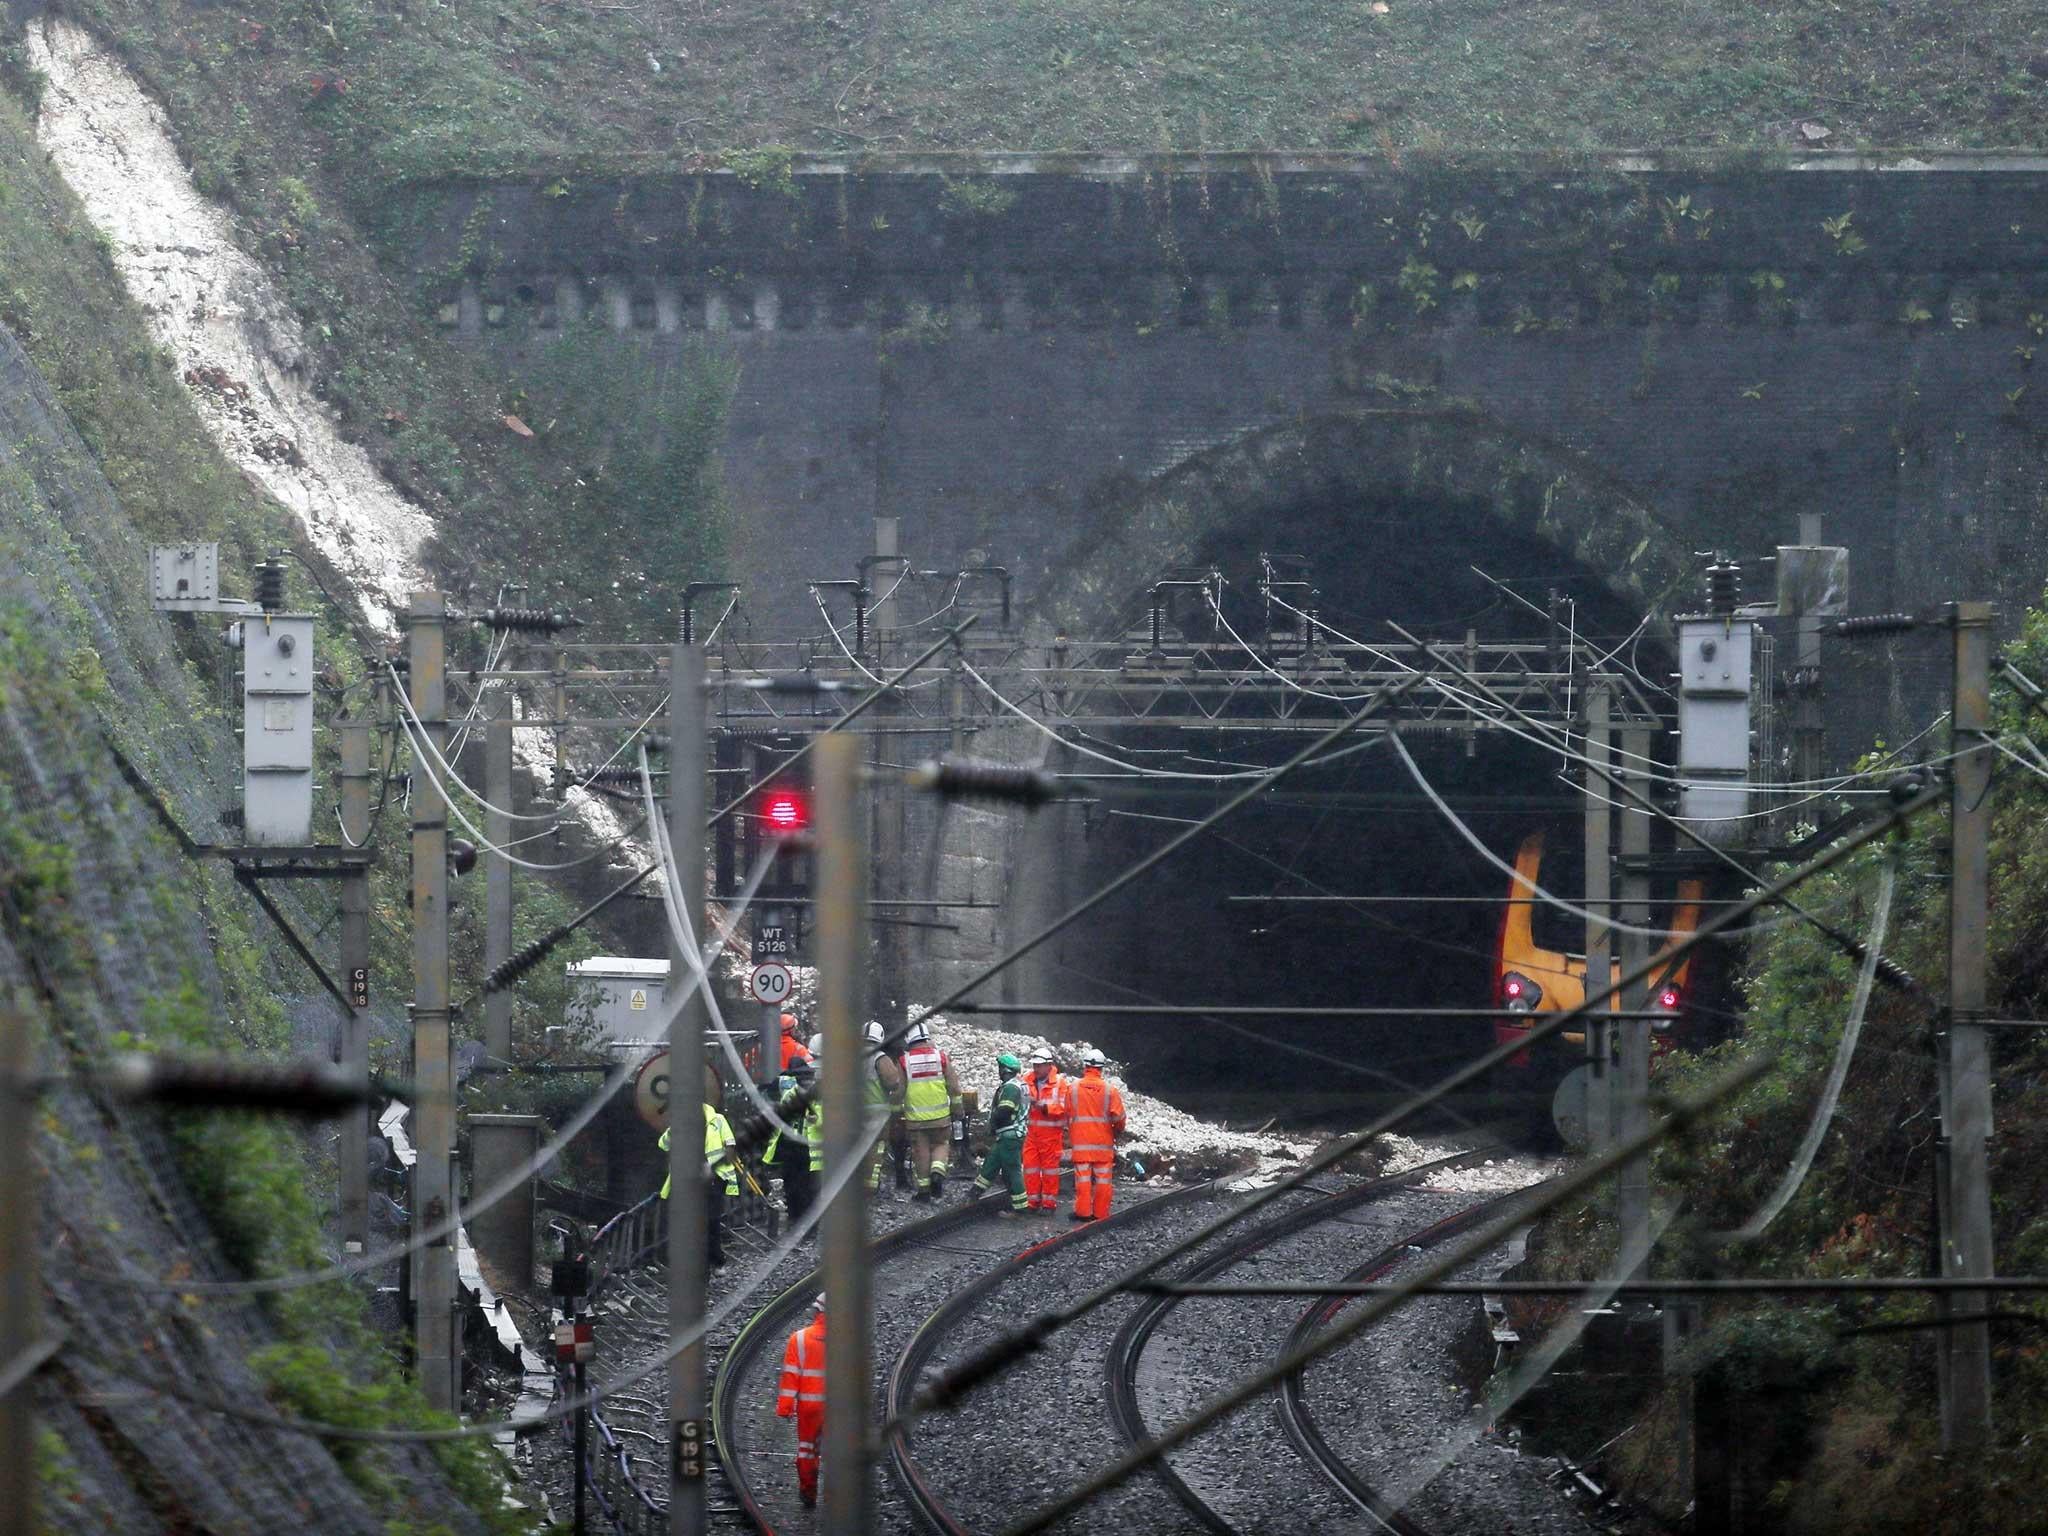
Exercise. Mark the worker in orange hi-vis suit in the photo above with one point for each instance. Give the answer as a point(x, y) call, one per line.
point(1045, 1124)
point(802, 1397)
point(1095, 1118)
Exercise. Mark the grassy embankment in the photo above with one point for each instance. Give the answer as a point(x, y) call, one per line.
point(433, 89)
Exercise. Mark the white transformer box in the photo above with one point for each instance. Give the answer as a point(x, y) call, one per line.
point(628, 998)
point(1714, 656)
point(277, 729)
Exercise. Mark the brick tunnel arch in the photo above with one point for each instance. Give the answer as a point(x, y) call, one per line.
point(1427, 486)
point(1441, 455)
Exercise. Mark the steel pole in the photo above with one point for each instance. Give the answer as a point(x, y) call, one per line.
point(434, 1105)
point(581, 1376)
point(21, 1298)
point(687, 1201)
point(1631, 1079)
point(1808, 719)
point(842, 940)
point(498, 877)
point(1599, 935)
point(354, 1054)
point(1965, 1213)
point(892, 945)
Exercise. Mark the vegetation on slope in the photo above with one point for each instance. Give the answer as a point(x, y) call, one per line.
point(1839, 1424)
point(111, 939)
point(563, 503)
point(404, 90)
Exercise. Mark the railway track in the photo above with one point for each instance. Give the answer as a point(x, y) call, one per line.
point(926, 1503)
point(1300, 1424)
point(997, 1452)
point(738, 1389)
point(1127, 1350)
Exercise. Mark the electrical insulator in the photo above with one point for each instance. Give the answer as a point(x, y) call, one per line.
point(969, 779)
point(536, 619)
point(1875, 624)
point(520, 961)
point(626, 777)
point(313, 1088)
point(270, 586)
point(1724, 587)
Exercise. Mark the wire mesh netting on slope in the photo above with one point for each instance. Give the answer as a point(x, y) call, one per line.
point(109, 935)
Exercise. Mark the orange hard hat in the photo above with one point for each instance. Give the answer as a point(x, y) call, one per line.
point(789, 1023)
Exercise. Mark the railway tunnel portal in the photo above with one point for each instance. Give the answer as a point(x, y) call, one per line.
point(1093, 372)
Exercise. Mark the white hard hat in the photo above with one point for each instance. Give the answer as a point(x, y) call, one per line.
point(872, 1034)
point(818, 1302)
point(918, 1034)
point(1092, 1057)
point(1042, 1057)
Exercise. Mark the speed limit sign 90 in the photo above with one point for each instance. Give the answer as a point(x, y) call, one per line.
point(771, 983)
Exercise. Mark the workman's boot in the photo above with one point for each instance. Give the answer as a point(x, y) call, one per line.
point(938, 1184)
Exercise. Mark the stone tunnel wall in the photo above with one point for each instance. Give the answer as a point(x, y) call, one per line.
point(1005, 350)
point(1076, 368)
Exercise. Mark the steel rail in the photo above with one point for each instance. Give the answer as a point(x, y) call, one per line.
point(925, 1501)
point(767, 1327)
point(1128, 1346)
point(1300, 1424)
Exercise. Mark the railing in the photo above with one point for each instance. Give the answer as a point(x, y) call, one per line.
point(611, 1478)
point(636, 1236)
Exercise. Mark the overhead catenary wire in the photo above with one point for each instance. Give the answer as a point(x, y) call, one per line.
point(1838, 1073)
point(1024, 1340)
point(499, 851)
point(684, 933)
point(1136, 770)
point(1522, 881)
point(432, 755)
point(513, 1180)
point(1158, 856)
point(1488, 1235)
point(1893, 974)
point(860, 707)
point(1650, 767)
point(797, 1231)
point(847, 651)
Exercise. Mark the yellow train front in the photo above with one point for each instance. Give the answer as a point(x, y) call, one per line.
point(1532, 981)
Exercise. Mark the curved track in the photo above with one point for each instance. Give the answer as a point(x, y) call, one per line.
point(1128, 1347)
point(929, 1506)
point(769, 1327)
point(1295, 1417)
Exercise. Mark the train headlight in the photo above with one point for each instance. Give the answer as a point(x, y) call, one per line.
point(1519, 993)
point(1669, 998)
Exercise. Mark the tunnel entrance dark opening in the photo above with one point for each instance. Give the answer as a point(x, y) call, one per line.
point(1215, 925)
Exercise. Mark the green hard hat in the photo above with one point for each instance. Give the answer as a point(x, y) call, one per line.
point(1009, 1063)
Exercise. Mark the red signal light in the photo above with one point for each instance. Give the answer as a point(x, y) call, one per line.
point(784, 812)
point(1669, 997)
point(1513, 988)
